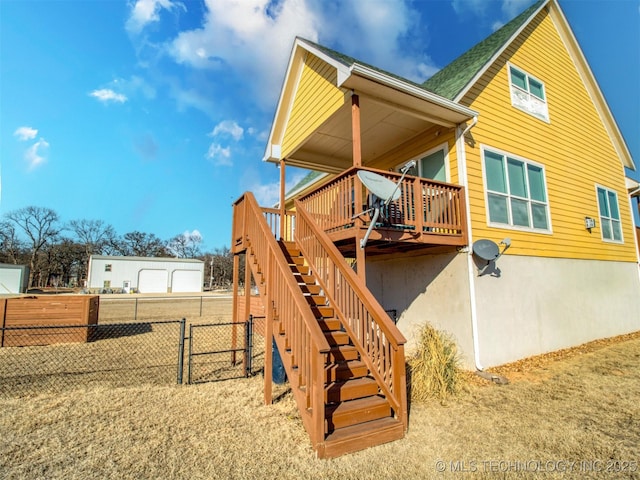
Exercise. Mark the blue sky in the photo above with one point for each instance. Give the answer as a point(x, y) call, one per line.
point(153, 115)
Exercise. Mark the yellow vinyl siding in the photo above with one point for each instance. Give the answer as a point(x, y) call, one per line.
point(425, 141)
point(317, 98)
point(573, 146)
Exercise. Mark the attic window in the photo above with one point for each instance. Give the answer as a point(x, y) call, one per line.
point(528, 93)
point(107, 267)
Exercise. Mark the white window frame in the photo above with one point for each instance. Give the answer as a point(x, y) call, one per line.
point(444, 147)
point(515, 93)
point(510, 226)
point(619, 220)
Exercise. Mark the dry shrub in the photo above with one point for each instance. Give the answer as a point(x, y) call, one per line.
point(435, 366)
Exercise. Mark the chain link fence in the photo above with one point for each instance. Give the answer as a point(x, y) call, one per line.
point(57, 358)
point(223, 351)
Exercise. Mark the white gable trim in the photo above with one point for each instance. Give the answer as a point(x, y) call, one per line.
point(491, 61)
point(591, 84)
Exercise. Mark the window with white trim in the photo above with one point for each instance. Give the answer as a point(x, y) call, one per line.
point(528, 93)
point(609, 215)
point(432, 164)
point(516, 192)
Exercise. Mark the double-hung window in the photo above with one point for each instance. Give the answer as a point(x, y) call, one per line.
point(516, 192)
point(609, 215)
point(527, 93)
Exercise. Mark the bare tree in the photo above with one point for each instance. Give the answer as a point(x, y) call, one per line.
point(94, 235)
point(11, 247)
point(140, 244)
point(40, 225)
point(185, 245)
point(220, 263)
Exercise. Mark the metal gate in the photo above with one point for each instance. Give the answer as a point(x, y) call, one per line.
point(220, 351)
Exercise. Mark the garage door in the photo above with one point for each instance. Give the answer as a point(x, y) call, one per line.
point(186, 281)
point(152, 281)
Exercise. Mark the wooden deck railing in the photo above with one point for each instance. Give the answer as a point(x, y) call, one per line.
point(285, 301)
point(425, 206)
point(378, 340)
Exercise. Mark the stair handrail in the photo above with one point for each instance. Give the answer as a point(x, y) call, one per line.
point(389, 372)
point(268, 251)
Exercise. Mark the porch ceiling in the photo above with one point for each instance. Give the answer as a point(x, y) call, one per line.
point(383, 127)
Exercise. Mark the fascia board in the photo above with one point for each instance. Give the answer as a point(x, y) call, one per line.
point(298, 52)
point(284, 101)
point(414, 91)
point(500, 51)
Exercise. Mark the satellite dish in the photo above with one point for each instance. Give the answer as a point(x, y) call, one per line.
point(380, 186)
point(384, 191)
point(489, 251)
point(486, 250)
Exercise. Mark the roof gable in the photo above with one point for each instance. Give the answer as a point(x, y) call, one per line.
point(452, 79)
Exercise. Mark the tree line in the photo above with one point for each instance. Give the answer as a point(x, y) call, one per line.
point(58, 253)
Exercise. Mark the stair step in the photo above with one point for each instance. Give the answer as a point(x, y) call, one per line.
point(305, 279)
point(345, 414)
point(324, 312)
point(300, 269)
point(318, 300)
point(295, 260)
point(343, 353)
point(350, 390)
point(346, 370)
point(328, 324)
point(361, 436)
point(311, 289)
point(337, 337)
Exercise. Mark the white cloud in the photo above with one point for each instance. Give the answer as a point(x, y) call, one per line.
point(193, 234)
point(511, 8)
point(497, 25)
point(250, 41)
point(268, 194)
point(26, 133)
point(228, 127)
point(107, 95)
point(34, 155)
point(144, 12)
point(475, 7)
point(219, 155)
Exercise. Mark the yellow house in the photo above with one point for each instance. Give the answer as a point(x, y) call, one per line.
point(500, 215)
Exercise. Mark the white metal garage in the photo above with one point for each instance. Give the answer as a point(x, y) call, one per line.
point(153, 281)
point(145, 274)
point(186, 281)
point(13, 278)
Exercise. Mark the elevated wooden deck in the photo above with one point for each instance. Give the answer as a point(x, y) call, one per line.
point(428, 214)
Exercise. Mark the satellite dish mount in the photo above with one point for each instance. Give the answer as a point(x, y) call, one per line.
point(488, 251)
point(384, 192)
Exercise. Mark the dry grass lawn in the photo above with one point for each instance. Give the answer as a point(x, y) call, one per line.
point(579, 406)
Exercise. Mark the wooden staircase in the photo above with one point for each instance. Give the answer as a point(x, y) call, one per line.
point(357, 415)
point(343, 355)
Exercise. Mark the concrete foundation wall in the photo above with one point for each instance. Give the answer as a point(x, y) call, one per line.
point(426, 288)
point(525, 305)
point(538, 305)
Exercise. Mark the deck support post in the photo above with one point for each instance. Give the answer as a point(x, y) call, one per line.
point(236, 281)
point(282, 208)
point(268, 343)
point(355, 130)
point(357, 185)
